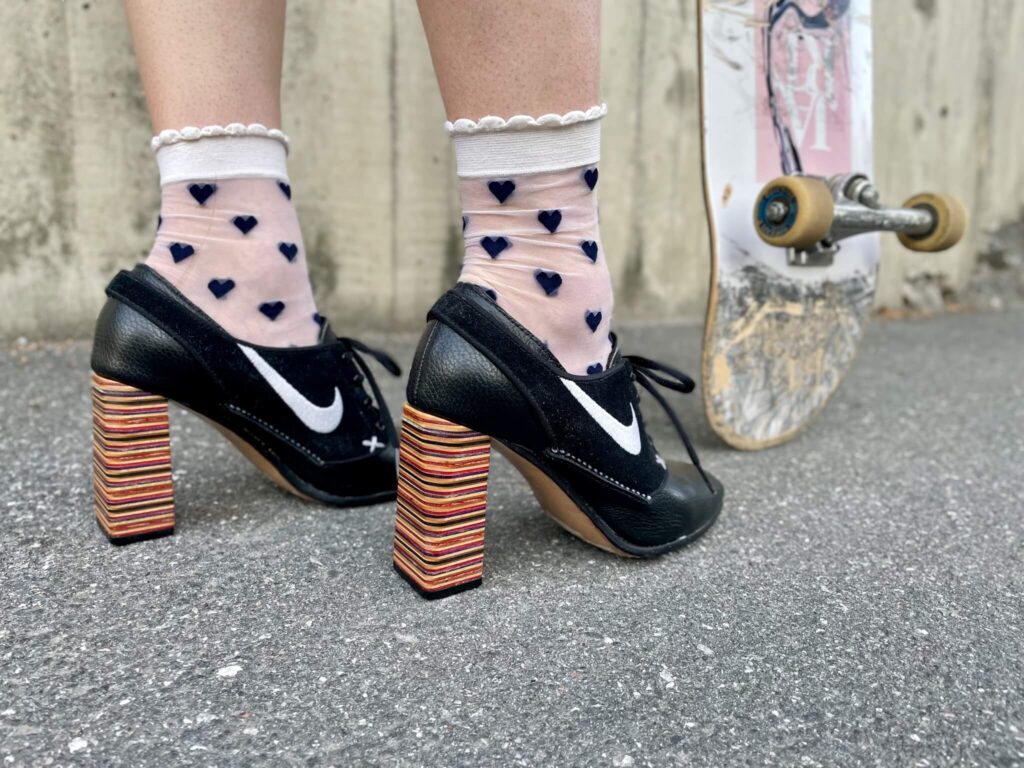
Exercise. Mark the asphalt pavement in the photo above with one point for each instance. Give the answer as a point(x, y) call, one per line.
point(860, 601)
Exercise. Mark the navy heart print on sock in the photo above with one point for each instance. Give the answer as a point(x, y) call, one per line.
point(493, 245)
point(549, 281)
point(590, 177)
point(502, 189)
point(589, 248)
point(201, 192)
point(288, 250)
point(159, 222)
point(319, 319)
point(492, 293)
point(465, 221)
point(272, 309)
point(244, 223)
point(595, 368)
point(550, 220)
point(181, 251)
point(221, 288)
point(285, 188)
point(593, 319)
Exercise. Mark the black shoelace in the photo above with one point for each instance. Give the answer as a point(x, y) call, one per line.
point(647, 373)
point(355, 347)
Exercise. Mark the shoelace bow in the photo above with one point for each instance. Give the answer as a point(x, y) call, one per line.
point(355, 347)
point(647, 373)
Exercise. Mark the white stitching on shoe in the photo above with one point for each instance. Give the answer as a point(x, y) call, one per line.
point(612, 480)
point(279, 433)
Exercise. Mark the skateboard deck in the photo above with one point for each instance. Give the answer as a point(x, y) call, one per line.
point(785, 90)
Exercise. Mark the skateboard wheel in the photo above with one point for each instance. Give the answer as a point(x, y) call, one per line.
point(950, 222)
point(794, 212)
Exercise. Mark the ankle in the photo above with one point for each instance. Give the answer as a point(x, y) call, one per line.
point(228, 236)
point(530, 224)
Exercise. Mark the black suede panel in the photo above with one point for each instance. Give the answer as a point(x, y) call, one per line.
point(537, 377)
point(478, 367)
point(149, 336)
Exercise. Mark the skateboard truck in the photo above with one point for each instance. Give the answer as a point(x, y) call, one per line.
point(809, 215)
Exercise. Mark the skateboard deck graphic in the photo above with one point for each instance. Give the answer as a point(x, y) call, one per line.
point(785, 90)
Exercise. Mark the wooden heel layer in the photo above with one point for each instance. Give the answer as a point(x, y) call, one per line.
point(442, 497)
point(134, 496)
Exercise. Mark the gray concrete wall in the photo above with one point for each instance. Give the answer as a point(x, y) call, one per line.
point(372, 169)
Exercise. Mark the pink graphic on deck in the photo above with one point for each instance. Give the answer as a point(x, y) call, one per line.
point(803, 87)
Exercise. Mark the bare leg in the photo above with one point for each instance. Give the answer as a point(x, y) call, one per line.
point(505, 57)
point(209, 63)
point(529, 207)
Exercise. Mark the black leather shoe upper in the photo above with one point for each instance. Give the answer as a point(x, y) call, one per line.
point(306, 410)
point(477, 367)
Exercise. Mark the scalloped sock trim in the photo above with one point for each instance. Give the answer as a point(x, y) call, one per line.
point(495, 146)
point(192, 133)
point(521, 122)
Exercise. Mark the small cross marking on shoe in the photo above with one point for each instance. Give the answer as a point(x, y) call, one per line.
point(373, 443)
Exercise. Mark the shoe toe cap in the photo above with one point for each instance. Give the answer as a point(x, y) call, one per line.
point(680, 511)
point(689, 502)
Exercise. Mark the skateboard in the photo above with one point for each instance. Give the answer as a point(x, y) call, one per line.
point(794, 218)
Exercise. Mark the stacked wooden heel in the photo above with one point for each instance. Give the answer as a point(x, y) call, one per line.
point(134, 496)
point(442, 498)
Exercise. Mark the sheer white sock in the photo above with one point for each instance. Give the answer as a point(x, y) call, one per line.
point(530, 224)
point(228, 236)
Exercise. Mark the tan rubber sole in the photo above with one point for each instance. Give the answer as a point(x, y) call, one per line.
point(558, 505)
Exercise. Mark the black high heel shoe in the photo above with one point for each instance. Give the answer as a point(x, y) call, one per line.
point(580, 441)
point(302, 415)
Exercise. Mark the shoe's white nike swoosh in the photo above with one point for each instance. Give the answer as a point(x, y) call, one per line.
point(318, 418)
point(626, 435)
